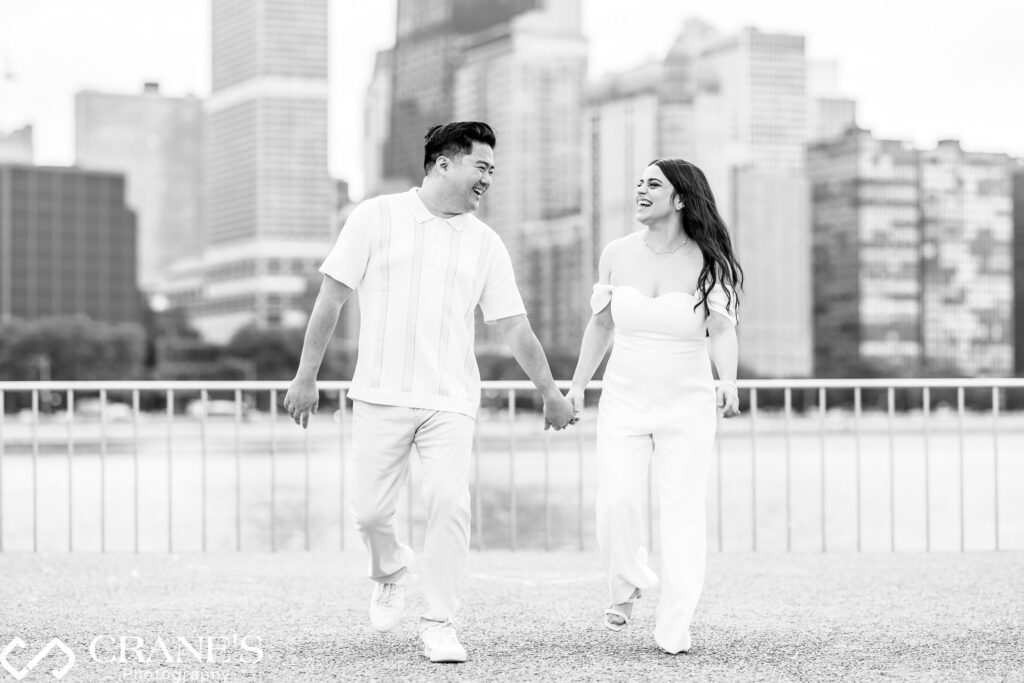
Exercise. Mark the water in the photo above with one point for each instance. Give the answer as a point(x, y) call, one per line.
point(262, 485)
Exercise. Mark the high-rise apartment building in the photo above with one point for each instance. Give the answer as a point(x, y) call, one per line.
point(67, 245)
point(156, 142)
point(267, 196)
point(967, 264)
point(526, 78)
point(867, 257)
point(430, 38)
point(913, 259)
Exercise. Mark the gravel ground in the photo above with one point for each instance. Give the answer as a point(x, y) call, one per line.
point(527, 616)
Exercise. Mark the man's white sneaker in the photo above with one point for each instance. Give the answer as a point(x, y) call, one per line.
point(440, 643)
point(386, 606)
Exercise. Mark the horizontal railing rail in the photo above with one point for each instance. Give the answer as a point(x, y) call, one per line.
point(167, 465)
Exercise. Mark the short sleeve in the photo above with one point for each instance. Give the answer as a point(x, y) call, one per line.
point(601, 297)
point(347, 261)
point(720, 302)
point(500, 297)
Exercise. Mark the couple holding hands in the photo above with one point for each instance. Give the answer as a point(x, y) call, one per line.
point(422, 263)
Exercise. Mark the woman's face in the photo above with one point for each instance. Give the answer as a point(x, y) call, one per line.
point(655, 198)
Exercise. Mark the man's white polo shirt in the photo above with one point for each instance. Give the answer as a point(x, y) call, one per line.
point(419, 279)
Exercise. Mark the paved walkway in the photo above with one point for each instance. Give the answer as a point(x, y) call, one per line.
point(528, 616)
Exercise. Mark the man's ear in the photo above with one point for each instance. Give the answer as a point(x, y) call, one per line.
point(442, 164)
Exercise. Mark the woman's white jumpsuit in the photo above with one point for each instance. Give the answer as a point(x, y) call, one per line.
point(658, 402)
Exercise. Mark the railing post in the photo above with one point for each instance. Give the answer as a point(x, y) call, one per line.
point(579, 485)
point(135, 463)
point(238, 470)
point(788, 408)
point(478, 506)
point(308, 492)
point(960, 439)
point(71, 469)
point(103, 470)
point(718, 481)
point(273, 470)
point(512, 468)
point(753, 468)
point(35, 470)
point(204, 403)
point(822, 414)
point(546, 442)
point(891, 413)
point(342, 421)
point(927, 409)
point(857, 422)
point(995, 462)
point(170, 470)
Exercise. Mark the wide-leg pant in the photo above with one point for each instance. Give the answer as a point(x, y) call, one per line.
point(383, 437)
point(678, 437)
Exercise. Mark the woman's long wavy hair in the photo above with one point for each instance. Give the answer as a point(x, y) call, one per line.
point(702, 224)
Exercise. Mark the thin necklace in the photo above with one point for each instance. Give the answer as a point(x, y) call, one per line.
point(667, 251)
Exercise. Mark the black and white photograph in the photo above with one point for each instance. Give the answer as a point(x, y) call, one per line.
point(508, 340)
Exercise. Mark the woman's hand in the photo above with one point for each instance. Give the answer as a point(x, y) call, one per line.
point(728, 398)
point(575, 397)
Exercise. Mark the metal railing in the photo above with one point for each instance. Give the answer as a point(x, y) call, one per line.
point(148, 472)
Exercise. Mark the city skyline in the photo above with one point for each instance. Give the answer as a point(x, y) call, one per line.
point(925, 77)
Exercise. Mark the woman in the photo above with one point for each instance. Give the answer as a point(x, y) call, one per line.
point(662, 291)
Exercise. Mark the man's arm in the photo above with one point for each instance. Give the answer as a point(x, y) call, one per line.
point(303, 397)
point(528, 353)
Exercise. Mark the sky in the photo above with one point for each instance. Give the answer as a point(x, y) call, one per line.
point(921, 70)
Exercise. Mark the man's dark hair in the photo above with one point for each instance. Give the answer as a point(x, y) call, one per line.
point(453, 140)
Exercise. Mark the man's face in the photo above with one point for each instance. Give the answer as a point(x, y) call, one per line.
point(469, 176)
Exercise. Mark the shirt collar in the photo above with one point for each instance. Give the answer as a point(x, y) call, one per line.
point(422, 214)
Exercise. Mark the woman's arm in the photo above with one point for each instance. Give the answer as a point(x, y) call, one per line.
point(725, 355)
point(596, 340)
point(597, 337)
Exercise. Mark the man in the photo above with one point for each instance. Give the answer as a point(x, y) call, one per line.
point(421, 263)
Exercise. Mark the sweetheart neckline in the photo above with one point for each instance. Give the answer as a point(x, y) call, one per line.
point(646, 296)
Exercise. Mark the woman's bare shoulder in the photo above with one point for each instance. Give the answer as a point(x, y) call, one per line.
point(622, 244)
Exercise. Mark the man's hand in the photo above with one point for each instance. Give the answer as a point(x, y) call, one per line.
point(557, 412)
point(301, 400)
point(728, 399)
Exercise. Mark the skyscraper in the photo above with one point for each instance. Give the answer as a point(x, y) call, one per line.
point(267, 196)
point(430, 37)
point(16, 146)
point(737, 106)
point(750, 131)
point(67, 245)
point(630, 119)
point(526, 78)
point(377, 122)
point(156, 142)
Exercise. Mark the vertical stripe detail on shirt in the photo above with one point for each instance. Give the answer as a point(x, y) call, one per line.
point(384, 254)
point(415, 289)
point(484, 258)
point(447, 329)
